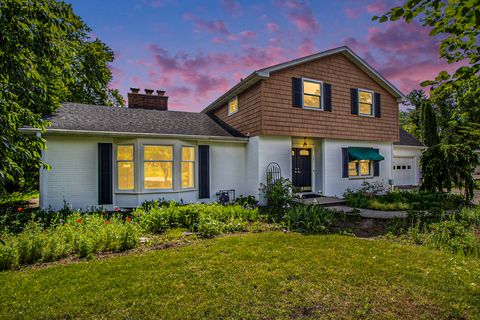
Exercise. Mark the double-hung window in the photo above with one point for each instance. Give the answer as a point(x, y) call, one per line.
point(365, 102)
point(360, 168)
point(125, 167)
point(312, 94)
point(188, 167)
point(233, 106)
point(157, 167)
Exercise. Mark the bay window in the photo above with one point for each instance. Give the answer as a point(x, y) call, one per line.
point(157, 167)
point(188, 167)
point(125, 167)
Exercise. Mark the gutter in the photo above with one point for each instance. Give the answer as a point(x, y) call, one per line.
point(135, 134)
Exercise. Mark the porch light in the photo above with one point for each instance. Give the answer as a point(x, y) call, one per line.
point(305, 143)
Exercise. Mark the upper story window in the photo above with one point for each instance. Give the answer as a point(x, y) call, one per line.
point(188, 167)
point(125, 167)
point(157, 167)
point(365, 102)
point(233, 106)
point(312, 94)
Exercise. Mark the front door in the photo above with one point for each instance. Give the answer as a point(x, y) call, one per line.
point(302, 169)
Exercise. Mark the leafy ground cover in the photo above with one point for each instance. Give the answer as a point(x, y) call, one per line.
point(271, 275)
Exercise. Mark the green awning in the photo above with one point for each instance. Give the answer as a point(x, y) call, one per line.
point(357, 153)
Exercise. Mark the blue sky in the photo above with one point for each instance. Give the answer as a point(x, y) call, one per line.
point(196, 50)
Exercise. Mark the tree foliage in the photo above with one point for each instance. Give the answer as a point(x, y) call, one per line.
point(46, 58)
point(412, 119)
point(430, 133)
point(457, 22)
point(446, 165)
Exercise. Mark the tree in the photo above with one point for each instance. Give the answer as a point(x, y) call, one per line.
point(457, 21)
point(411, 120)
point(430, 133)
point(46, 58)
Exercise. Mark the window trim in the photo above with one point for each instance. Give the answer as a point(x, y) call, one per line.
point(359, 176)
point(321, 94)
point(134, 168)
point(187, 161)
point(171, 161)
point(372, 115)
point(228, 106)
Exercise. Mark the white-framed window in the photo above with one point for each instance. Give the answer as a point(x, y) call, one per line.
point(125, 167)
point(158, 167)
point(312, 94)
point(233, 106)
point(365, 102)
point(188, 167)
point(360, 168)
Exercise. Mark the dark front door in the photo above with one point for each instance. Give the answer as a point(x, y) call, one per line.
point(302, 168)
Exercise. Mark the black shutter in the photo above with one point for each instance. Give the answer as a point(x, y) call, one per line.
point(327, 97)
point(378, 104)
point(354, 100)
point(204, 172)
point(344, 162)
point(296, 92)
point(105, 173)
point(376, 166)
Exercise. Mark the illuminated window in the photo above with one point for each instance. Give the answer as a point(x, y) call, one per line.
point(188, 167)
point(233, 106)
point(125, 167)
point(157, 167)
point(312, 94)
point(365, 102)
point(359, 168)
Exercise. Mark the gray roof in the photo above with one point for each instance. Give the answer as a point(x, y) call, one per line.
point(406, 139)
point(84, 117)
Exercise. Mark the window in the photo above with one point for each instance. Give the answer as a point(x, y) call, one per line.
point(360, 168)
point(312, 94)
point(233, 106)
point(365, 102)
point(157, 167)
point(188, 167)
point(125, 167)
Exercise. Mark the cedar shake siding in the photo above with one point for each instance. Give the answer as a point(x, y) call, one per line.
point(248, 118)
point(280, 118)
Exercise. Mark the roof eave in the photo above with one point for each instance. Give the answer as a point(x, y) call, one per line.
point(53, 131)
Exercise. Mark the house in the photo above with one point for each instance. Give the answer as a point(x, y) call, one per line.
point(327, 121)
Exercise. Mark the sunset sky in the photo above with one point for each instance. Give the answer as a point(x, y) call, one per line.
point(196, 50)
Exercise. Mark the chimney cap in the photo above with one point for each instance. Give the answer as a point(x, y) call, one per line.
point(148, 91)
point(161, 92)
point(135, 90)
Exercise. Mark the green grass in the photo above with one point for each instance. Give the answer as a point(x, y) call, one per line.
point(253, 276)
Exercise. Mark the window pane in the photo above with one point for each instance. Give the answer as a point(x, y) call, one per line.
point(311, 101)
point(365, 167)
point(125, 152)
point(352, 168)
point(188, 154)
point(158, 153)
point(365, 97)
point(365, 108)
point(311, 88)
point(233, 105)
point(188, 175)
point(126, 175)
point(158, 175)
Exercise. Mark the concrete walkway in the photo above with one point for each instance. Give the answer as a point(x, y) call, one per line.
point(376, 214)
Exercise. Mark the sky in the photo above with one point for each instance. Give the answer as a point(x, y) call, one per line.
point(197, 50)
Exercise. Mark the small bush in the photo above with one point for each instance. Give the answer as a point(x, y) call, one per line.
point(309, 218)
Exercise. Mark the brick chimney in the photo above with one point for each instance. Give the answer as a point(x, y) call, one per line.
point(148, 100)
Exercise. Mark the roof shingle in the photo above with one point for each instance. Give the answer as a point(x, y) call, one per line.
point(77, 116)
point(406, 139)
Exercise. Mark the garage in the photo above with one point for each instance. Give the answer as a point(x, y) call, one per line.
point(403, 171)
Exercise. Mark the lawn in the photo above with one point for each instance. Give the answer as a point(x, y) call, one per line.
point(253, 276)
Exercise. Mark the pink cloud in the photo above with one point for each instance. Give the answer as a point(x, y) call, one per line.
point(247, 34)
point(117, 77)
point(232, 7)
point(300, 14)
point(217, 26)
point(306, 47)
point(377, 7)
point(351, 12)
point(273, 27)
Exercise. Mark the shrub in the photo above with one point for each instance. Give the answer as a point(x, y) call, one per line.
point(309, 218)
point(279, 195)
point(247, 202)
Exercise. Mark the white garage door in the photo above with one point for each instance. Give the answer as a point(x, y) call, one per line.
point(403, 172)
